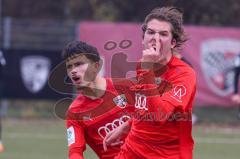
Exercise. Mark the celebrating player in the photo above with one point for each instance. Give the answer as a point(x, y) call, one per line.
point(168, 134)
point(105, 106)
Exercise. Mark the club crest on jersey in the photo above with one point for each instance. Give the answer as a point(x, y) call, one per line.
point(34, 72)
point(120, 100)
point(158, 80)
point(178, 92)
point(218, 57)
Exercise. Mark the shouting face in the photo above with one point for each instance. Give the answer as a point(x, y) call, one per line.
point(81, 70)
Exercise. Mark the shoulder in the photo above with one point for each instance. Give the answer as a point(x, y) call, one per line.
point(180, 69)
point(123, 83)
point(76, 103)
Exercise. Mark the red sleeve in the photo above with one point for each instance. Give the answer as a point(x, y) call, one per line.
point(76, 139)
point(179, 97)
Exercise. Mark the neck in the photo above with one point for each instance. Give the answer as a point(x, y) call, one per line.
point(166, 59)
point(95, 89)
point(169, 58)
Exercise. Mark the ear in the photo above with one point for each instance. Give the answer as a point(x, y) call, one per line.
point(98, 65)
point(174, 42)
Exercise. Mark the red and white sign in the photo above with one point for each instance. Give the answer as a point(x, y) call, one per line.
point(210, 50)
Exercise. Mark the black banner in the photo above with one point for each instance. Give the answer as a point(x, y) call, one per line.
point(26, 74)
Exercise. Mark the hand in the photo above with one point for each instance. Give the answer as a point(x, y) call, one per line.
point(151, 57)
point(153, 54)
point(114, 137)
point(236, 99)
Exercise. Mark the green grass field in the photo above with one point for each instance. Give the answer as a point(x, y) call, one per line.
point(45, 139)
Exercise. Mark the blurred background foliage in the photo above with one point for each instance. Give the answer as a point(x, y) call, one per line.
point(196, 12)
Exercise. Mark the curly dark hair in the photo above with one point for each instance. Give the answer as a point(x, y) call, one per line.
point(80, 47)
point(172, 15)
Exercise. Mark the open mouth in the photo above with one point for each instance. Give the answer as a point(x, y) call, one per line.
point(75, 78)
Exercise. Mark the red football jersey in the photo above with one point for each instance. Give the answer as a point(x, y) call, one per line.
point(105, 114)
point(161, 127)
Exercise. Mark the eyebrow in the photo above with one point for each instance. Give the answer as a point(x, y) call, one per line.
point(161, 31)
point(157, 31)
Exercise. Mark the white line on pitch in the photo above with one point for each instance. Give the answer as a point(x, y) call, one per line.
point(217, 140)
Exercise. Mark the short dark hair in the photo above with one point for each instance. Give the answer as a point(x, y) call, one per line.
point(80, 47)
point(172, 15)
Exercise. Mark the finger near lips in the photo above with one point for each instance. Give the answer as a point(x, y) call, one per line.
point(158, 47)
point(151, 54)
point(150, 51)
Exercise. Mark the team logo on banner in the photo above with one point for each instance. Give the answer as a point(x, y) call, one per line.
point(217, 62)
point(34, 72)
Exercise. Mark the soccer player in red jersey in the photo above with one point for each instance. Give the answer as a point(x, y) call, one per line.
point(103, 105)
point(162, 127)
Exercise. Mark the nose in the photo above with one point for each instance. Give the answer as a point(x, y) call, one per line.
point(73, 71)
point(156, 36)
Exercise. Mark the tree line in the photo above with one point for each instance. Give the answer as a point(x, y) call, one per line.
point(196, 12)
